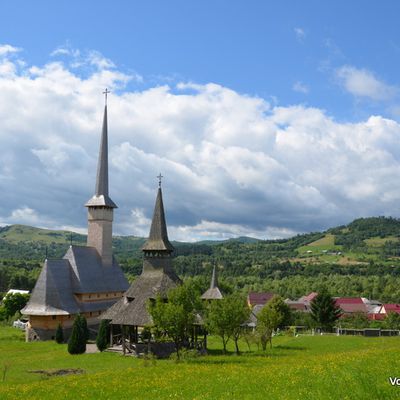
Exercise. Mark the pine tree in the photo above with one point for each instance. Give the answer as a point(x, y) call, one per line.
point(324, 310)
point(77, 340)
point(102, 340)
point(59, 334)
point(85, 327)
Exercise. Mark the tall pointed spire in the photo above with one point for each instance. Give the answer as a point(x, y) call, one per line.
point(213, 293)
point(101, 197)
point(158, 238)
point(102, 166)
point(100, 206)
point(214, 279)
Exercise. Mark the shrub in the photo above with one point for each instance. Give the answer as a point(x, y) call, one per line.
point(102, 340)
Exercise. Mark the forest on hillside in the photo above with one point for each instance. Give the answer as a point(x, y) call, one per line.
point(361, 258)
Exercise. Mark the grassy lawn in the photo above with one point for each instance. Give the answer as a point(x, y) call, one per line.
point(306, 367)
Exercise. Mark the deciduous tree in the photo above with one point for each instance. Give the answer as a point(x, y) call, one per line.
point(274, 314)
point(225, 318)
point(176, 316)
point(13, 303)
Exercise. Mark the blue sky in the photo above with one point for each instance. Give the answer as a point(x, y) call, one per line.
point(284, 109)
point(256, 47)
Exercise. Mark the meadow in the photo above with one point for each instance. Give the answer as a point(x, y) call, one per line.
point(305, 367)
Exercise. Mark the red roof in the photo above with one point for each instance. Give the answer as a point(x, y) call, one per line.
point(259, 298)
point(349, 300)
point(392, 308)
point(309, 298)
point(351, 305)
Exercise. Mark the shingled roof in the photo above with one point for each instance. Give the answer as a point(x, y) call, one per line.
point(157, 277)
point(132, 308)
point(53, 294)
point(213, 293)
point(89, 275)
point(158, 238)
point(80, 271)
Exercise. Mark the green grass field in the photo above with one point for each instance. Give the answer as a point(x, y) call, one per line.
point(306, 367)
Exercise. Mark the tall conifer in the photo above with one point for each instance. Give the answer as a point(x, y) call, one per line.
point(102, 340)
point(77, 340)
point(324, 310)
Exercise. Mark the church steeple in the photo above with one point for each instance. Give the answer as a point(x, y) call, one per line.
point(158, 238)
point(101, 197)
point(213, 293)
point(100, 206)
point(214, 279)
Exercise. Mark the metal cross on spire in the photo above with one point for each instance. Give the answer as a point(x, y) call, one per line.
point(159, 179)
point(106, 93)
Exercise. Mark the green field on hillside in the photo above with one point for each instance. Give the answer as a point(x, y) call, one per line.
point(305, 367)
point(22, 233)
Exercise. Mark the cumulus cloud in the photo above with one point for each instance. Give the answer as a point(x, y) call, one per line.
point(364, 84)
point(6, 49)
point(233, 164)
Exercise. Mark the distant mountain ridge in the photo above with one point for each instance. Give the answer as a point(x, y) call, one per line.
point(360, 258)
point(362, 236)
point(29, 242)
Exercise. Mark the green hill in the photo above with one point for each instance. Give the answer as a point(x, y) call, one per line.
point(362, 257)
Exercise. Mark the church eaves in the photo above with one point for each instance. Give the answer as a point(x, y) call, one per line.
point(101, 197)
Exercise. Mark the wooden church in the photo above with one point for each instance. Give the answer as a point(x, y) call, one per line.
point(131, 313)
point(87, 280)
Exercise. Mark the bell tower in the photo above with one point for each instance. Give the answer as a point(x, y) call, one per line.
point(100, 206)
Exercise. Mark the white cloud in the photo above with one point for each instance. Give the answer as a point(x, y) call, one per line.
point(300, 34)
point(300, 87)
point(6, 49)
point(209, 230)
point(24, 215)
point(233, 164)
point(363, 83)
